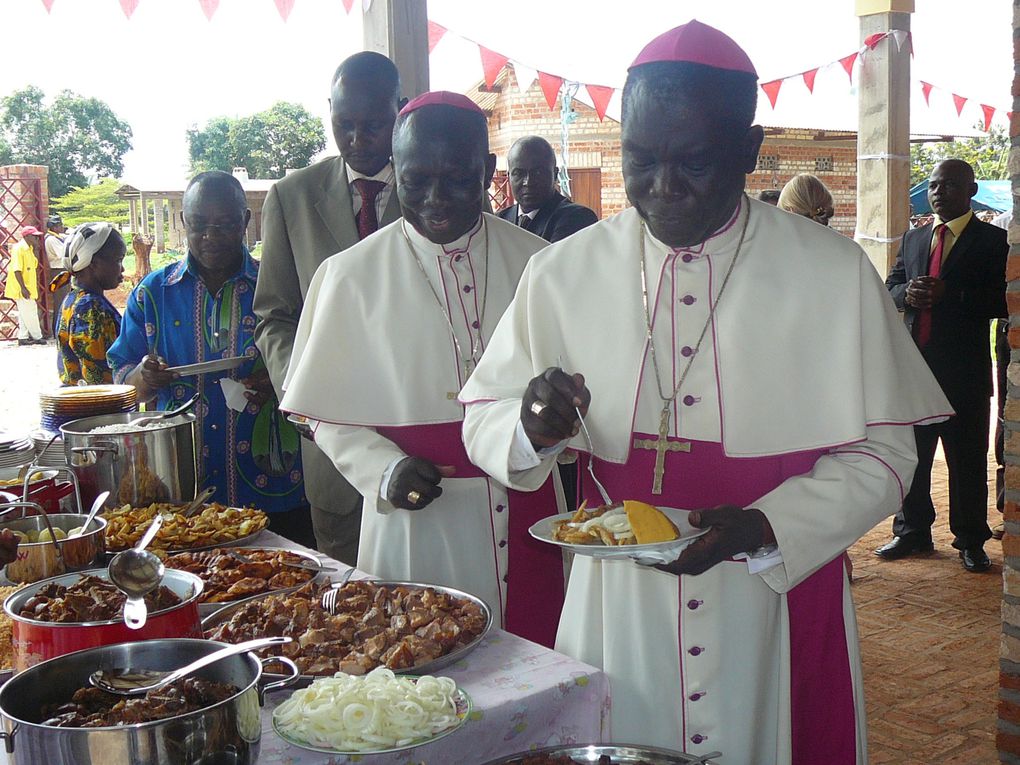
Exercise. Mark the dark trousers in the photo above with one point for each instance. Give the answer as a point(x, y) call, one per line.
point(294, 524)
point(965, 443)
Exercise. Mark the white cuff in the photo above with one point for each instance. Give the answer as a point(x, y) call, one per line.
point(762, 559)
point(523, 455)
point(386, 476)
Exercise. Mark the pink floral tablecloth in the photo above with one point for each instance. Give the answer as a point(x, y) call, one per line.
point(524, 696)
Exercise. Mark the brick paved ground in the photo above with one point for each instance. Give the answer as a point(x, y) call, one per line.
point(929, 629)
point(929, 640)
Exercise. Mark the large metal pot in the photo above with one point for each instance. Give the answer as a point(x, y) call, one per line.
point(227, 733)
point(138, 467)
point(36, 641)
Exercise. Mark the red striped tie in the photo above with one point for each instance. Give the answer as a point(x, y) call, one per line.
point(368, 221)
point(934, 266)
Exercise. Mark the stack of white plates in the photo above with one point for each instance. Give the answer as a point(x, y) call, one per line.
point(16, 450)
point(49, 448)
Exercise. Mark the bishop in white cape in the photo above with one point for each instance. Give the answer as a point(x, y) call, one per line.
point(802, 409)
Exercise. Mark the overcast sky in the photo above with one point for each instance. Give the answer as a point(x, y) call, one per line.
point(169, 68)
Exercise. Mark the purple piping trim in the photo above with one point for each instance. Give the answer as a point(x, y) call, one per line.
point(885, 464)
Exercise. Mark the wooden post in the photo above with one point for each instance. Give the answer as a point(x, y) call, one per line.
point(883, 136)
point(399, 29)
point(157, 220)
point(143, 208)
point(133, 207)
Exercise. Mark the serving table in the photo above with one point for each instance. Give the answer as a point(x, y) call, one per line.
point(524, 696)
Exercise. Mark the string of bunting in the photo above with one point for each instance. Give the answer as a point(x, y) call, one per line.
point(494, 62)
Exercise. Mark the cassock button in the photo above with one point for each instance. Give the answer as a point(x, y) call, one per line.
point(696, 696)
point(688, 299)
point(467, 287)
point(474, 324)
point(457, 258)
point(499, 508)
point(693, 604)
point(696, 650)
point(687, 351)
point(687, 257)
point(505, 578)
point(690, 400)
point(502, 543)
point(697, 738)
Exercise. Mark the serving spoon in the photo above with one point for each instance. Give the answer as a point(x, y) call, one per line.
point(137, 572)
point(136, 682)
point(143, 421)
point(96, 507)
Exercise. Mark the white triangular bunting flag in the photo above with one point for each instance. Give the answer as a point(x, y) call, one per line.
point(525, 75)
point(900, 35)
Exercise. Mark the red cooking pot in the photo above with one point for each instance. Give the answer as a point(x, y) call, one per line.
point(35, 641)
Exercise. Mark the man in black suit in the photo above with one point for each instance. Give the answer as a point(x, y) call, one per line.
point(540, 208)
point(950, 280)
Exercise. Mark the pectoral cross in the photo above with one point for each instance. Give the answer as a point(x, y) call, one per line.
point(661, 446)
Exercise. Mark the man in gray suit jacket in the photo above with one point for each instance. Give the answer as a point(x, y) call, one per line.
point(308, 216)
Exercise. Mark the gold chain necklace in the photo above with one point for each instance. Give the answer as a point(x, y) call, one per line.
point(662, 444)
point(470, 360)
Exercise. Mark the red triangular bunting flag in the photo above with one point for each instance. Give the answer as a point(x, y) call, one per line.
point(772, 90)
point(48, 4)
point(600, 95)
point(284, 7)
point(492, 64)
point(989, 113)
point(128, 6)
point(209, 7)
point(550, 85)
point(926, 89)
point(872, 40)
point(959, 101)
point(436, 33)
point(809, 79)
point(848, 65)
point(348, 4)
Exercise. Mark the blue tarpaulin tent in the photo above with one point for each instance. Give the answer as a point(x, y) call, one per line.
point(991, 195)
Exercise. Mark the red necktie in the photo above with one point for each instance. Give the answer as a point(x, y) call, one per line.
point(368, 221)
point(934, 266)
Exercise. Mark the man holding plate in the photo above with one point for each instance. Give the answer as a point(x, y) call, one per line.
point(711, 383)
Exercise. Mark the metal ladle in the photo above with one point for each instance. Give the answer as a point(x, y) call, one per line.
point(137, 572)
point(136, 682)
point(143, 421)
point(97, 505)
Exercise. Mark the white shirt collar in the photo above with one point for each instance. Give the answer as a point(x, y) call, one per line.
point(385, 175)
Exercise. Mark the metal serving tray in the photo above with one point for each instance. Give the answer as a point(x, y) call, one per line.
point(620, 754)
point(224, 615)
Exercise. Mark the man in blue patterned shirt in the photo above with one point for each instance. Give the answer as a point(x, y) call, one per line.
point(200, 309)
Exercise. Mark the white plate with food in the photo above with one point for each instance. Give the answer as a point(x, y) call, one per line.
point(377, 713)
point(614, 532)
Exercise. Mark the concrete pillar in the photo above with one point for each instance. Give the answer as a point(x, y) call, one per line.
point(883, 138)
point(143, 208)
point(399, 29)
point(157, 208)
point(174, 206)
point(133, 215)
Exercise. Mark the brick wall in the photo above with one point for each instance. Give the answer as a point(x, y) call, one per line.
point(597, 144)
point(1008, 734)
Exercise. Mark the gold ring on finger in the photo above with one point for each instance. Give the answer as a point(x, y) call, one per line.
point(414, 497)
point(537, 407)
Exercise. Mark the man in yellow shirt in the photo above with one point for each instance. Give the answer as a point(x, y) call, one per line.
point(23, 284)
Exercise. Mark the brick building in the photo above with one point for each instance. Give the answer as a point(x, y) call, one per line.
point(594, 158)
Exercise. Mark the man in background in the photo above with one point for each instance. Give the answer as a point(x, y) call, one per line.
point(950, 281)
point(55, 230)
point(540, 208)
point(308, 216)
point(23, 284)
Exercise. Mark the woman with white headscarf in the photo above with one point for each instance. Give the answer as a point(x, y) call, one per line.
point(89, 323)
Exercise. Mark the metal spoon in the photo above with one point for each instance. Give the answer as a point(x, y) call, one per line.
point(194, 505)
point(137, 572)
point(136, 682)
point(142, 421)
point(96, 507)
point(591, 448)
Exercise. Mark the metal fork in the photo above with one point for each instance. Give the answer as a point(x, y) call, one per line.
point(591, 449)
point(330, 595)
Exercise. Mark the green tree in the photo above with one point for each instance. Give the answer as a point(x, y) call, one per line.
point(78, 138)
point(92, 203)
point(987, 155)
point(266, 144)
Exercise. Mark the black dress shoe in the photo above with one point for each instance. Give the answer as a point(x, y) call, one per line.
point(901, 547)
point(975, 559)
